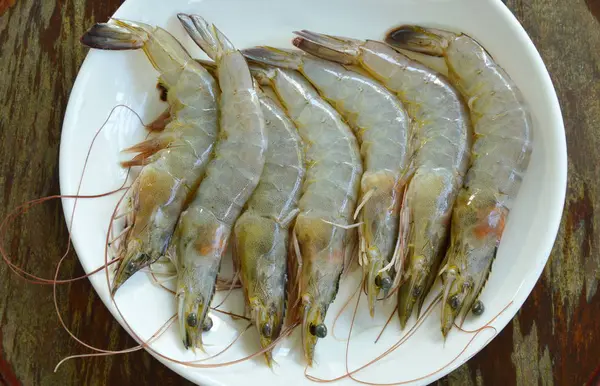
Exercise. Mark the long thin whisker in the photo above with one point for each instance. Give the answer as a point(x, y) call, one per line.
point(386, 323)
point(352, 226)
point(363, 202)
point(121, 234)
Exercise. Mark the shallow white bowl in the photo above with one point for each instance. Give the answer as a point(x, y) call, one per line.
point(107, 79)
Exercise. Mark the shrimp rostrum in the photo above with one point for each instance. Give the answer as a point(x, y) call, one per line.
point(440, 149)
point(321, 237)
point(173, 160)
point(204, 228)
point(262, 231)
point(381, 126)
point(501, 153)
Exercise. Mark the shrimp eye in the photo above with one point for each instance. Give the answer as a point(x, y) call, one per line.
point(454, 302)
point(163, 92)
point(320, 330)
point(208, 324)
point(131, 267)
point(417, 291)
point(478, 308)
point(383, 283)
point(192, 320)
point(266, 330)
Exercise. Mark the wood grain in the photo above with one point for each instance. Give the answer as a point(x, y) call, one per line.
point(594, 6)
point(39, 59)
point(554, 339)
point(5, 4)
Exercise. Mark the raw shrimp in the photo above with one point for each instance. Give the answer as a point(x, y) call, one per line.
point(175, 159)
point(441, 144)
point(204, 228)
point(381, 125)
point(501, 153)
point(321, 237)
point(261, 233)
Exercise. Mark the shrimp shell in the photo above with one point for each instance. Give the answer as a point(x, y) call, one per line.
point(175, 159)
point(381, 125)
point(320, 238)
point(441, 143)
point(261, 233)
point(501, 153)
point(205, 226)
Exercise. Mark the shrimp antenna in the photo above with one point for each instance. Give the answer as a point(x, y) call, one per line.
point(230, 290)
point(154, 337)
point(54, 282)
point(24, 208)
point(402, 340)
point(386, 324)
point(341, 311)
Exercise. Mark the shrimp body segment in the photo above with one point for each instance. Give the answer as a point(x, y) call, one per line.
point(175, 159)
point(320, 238)
point(261, 233)
point(205, 226)
point(441, 143)
point(381, 126)
point(501, 153)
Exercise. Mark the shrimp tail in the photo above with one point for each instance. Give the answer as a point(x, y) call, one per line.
point(107, 36)
point(207, 37)
point(165, 53)
point(274, 56)
point(340, 50)
point(424, 40)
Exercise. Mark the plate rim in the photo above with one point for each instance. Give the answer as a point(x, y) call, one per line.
point(529, 281)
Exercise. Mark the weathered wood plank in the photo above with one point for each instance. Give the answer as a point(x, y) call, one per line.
point(594, 6)
point(554, 340)
point(40, 55)
point(5, 4)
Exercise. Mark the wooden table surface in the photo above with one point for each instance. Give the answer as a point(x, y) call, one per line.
point(554, 339)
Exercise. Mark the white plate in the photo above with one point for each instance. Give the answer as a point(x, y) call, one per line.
point(107, 79)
